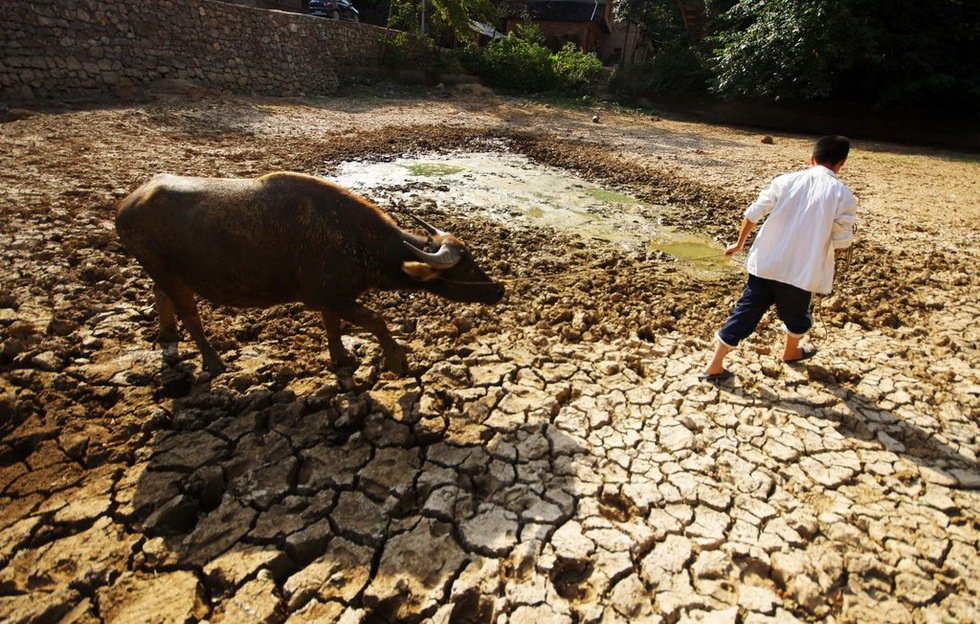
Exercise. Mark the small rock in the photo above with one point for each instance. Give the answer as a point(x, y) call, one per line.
point(47, 361)
point(767, 140)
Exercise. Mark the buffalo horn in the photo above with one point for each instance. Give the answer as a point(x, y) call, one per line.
point(432, 230)
point(445, 258)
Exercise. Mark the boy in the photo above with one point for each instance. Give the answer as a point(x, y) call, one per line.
point(811, 215)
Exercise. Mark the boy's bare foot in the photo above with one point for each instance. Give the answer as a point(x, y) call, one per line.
point(799, 354)
point(717, 365)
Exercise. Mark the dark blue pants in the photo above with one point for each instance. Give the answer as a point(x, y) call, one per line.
point(792, 306)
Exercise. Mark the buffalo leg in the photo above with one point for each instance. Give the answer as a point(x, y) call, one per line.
point(169, 336)
point(338, 354)
point(394, 354)
point(183, 300)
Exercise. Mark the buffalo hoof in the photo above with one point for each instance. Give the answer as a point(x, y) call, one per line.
point(215, 367)
point(397, 363)
point(345, 363)
point(171, 356)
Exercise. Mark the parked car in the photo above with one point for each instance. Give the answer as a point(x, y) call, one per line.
point(334, 9)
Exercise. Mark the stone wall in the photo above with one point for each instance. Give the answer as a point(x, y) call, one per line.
point(69, 48)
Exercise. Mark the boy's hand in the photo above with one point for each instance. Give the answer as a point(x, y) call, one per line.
point(743, 235)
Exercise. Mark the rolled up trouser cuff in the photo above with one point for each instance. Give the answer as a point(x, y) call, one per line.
point(730, 343)
point(797, 334)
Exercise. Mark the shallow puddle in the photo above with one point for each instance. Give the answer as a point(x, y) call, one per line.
point(428, 169)
point(695, 250)
point(511, 188)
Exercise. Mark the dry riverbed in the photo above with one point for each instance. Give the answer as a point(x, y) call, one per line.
point(550, 459)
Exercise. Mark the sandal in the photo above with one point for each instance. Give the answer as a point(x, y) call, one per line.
point(717, 377)
point(807, 353)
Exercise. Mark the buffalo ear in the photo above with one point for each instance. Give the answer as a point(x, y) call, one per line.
point(419, 271)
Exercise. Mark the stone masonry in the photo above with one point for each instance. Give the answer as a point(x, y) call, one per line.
point(62, 48)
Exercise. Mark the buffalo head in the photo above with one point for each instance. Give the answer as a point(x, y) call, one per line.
point(445, 267)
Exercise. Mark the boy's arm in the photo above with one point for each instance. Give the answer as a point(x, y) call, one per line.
point(765, 203)
point(842, 233)
point(743, 234)
point(753, 214)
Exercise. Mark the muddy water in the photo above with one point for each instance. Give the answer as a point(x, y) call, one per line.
point(511, 188)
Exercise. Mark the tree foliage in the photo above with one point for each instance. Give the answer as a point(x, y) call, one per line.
point(917, 52)
point(908, 51)
point(660, 18)
point(448, 19)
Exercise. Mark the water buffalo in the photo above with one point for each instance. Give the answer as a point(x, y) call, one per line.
point(280, 238)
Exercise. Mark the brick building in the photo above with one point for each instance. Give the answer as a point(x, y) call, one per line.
point(582, 22)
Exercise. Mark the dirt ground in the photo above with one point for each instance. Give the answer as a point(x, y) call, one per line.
point(550, 459)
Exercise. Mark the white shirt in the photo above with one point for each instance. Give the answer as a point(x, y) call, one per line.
point(811, 213)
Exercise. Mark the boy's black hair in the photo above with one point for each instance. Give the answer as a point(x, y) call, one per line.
point(830, 150)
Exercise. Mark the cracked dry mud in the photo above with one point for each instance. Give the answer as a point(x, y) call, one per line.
point(551, 459)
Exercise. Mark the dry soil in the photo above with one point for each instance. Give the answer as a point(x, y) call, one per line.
point(550, 459)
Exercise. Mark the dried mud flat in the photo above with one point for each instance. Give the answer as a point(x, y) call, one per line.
point(551, 459)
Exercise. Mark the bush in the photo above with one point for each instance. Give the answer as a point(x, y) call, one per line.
point(577, 71)
point(515, 63)
point(520, 62)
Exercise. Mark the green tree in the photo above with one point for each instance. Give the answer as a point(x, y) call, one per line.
point(448, 19)
point(908, 51)
point(660, 18)
point(678, 64)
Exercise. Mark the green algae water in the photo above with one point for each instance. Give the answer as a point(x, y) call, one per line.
point(512, 189)
point(432, 169)
point(611, 197)
point(698, 251)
